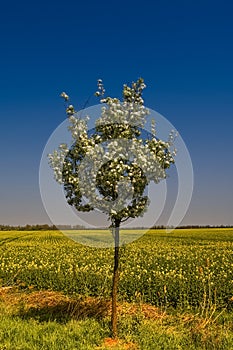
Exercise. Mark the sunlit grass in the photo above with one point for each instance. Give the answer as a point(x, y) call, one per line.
point(186, 274)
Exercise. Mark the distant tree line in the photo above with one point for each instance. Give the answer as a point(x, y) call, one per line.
point(47, 227)
point(44, 227)
point(191, 226)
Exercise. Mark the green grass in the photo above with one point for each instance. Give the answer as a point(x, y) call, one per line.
point(172, 332)
point(186, 272)
point(18, 334)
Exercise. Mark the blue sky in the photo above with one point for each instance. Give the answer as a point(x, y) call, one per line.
point(184, 51)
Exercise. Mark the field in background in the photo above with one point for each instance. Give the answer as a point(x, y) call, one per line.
point(186, 271)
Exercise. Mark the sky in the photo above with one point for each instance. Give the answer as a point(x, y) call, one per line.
point(183, 50)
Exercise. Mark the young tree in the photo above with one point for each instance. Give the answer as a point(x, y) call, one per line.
point(109, 167)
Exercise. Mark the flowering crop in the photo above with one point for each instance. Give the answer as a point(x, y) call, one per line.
point(176, 269)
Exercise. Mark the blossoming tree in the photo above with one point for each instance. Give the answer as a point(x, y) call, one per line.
point(109, 167)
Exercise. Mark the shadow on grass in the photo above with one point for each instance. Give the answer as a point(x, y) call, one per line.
point(63, 311)
point(47, 305)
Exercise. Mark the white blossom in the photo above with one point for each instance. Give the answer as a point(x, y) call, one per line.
point(112, 168)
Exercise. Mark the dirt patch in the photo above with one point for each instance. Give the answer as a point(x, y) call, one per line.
point(118, 344)
point(51, 305)
point(55, 305)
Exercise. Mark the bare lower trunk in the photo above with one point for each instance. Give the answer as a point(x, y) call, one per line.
point(115, 278)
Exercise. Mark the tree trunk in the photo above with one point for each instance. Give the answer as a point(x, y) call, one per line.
point(115, 278)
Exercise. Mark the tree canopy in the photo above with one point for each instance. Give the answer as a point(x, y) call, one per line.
point(109, 167)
